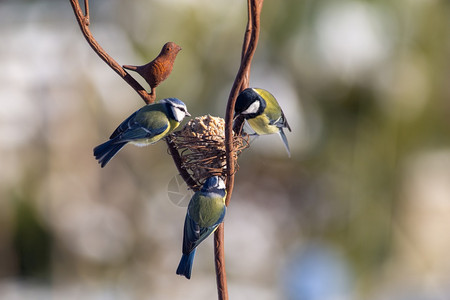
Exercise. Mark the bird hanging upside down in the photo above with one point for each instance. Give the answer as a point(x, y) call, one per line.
point(205, 212)
point(158, 69)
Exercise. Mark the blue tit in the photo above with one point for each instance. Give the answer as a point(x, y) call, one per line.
point(144, 127)
point(205, 212)
point(262, 112)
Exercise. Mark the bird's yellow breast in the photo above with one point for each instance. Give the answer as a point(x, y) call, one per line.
point(207, 210)
point(173, 124)
point(261, 125)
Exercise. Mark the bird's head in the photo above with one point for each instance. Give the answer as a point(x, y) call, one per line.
point(214, 184)
point(170, 48)
point(249, 103)
point(176, 109)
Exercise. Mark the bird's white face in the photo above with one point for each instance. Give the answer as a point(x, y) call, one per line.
point(179, 112)
point(252, 109)
point(221, 185)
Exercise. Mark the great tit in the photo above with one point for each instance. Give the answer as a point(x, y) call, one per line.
point(144, 127)
point(205, 212)
point(262, 112)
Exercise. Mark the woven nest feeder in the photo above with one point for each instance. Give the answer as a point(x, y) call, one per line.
point(201, 144)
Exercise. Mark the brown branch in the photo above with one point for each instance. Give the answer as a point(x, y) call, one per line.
point(241, 82)
point(83, 20)
point(247, 36)
point(219, 261)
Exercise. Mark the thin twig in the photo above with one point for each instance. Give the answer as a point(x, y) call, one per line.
point(83, 20)
point(241, 82)
point(247, 36)
point(86, 9)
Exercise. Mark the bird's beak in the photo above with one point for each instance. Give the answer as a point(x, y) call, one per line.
point(188, 114)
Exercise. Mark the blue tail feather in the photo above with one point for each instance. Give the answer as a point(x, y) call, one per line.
point(185, 266)
point(104, 152)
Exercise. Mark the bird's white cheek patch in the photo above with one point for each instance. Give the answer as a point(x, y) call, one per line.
point(178, 114)
point(252, 109)
point(221, 185)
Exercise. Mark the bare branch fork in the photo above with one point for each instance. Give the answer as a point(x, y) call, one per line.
point(84, 21)
point(240, 83)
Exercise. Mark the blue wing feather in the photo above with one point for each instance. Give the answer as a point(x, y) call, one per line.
point(191, 234)
point(138, 133)
point(123, 126)
point(142, 124)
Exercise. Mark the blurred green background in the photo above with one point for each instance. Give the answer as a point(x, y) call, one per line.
point(360, 211)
